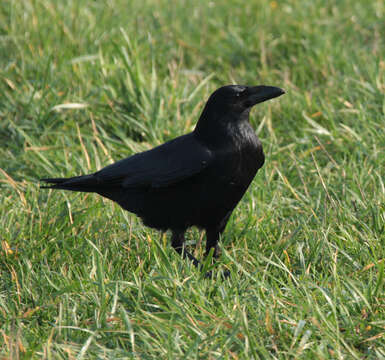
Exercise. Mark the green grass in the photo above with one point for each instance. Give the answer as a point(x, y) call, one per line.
point(80, 278)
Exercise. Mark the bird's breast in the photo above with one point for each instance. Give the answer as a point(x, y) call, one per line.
point(239, 165)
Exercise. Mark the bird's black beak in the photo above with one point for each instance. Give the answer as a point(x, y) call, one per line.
point(257, 94)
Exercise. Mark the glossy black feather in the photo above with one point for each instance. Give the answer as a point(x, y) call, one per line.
point(194, 180)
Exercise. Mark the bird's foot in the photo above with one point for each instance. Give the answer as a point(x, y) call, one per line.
point(224, 274)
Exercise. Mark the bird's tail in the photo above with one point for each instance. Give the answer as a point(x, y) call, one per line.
point(86, 183)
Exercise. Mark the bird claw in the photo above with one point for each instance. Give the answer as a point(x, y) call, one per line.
point(224, 274)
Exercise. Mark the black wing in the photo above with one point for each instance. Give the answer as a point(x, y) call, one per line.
point(162, 166)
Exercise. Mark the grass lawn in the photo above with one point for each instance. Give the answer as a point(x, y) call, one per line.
point(85, 83)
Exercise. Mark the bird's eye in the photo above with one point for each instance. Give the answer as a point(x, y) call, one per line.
point(240, 91)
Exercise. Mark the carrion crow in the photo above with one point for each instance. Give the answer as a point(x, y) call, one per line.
point(193, 180)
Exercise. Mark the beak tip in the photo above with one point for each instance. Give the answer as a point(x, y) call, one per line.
point(279, 91)
point(261, 93)
point(273, 91)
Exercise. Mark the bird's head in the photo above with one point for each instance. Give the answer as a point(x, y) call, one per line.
point(238, 98)
point(230, 105)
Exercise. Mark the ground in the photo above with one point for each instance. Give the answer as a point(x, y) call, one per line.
point(83, 83)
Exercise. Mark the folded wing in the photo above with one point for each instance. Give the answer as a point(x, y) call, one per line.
point(162, 166)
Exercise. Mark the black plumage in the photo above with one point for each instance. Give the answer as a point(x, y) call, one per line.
point(193, 180)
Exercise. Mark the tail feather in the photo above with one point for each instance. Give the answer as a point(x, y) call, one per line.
point(55, 180)
point(86, 183)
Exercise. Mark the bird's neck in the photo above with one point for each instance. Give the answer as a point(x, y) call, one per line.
point(218, 129)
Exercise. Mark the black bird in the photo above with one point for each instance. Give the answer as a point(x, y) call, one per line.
point(193, 180)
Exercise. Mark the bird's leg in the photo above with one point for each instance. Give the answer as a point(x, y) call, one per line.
point(177, 242)
point(212, 236)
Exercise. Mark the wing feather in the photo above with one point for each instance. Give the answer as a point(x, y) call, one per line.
point(162, 166)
